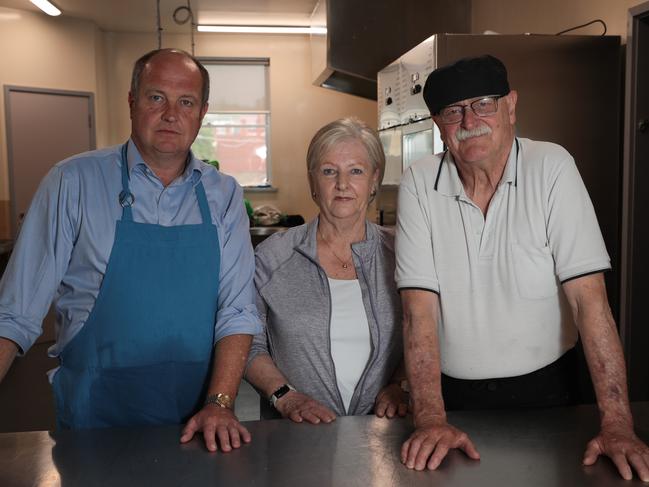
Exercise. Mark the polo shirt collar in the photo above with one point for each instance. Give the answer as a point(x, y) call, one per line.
point(511, 169)
point(448, 182)
point(193, 171)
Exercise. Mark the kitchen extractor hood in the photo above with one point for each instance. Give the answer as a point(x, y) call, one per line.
point(363, 37)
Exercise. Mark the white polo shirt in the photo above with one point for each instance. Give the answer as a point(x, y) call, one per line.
point(502, 310)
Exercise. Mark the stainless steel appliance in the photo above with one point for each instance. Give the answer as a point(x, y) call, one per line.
point(568, 93)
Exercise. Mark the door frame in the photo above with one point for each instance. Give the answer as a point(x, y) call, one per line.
point(635, 339)
point(8, 89)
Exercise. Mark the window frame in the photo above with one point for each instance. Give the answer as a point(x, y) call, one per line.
point(248, 61)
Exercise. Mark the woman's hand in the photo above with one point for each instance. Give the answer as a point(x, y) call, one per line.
point(391, 401)
point(299, 407)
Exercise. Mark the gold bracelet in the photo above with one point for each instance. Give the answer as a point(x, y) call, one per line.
point(221, 400)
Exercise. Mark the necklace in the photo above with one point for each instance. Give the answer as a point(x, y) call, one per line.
point(344, 263)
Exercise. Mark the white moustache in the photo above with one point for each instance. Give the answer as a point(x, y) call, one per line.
point(462, 134)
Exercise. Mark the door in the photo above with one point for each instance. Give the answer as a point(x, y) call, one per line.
point(635, 231)
point(43, 127)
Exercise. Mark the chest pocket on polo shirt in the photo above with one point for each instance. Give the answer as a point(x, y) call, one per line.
point(534, 271)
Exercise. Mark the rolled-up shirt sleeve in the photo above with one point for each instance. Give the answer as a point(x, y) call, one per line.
point(237, 312)
point(39, 259)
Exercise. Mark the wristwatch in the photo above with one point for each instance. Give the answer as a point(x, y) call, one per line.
point(283, 390)
point(221, 400)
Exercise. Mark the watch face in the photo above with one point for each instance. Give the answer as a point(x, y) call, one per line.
point(279, 393)
point(220, 399)
point(224, 400)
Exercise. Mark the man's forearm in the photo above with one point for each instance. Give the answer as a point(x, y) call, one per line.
point(8, 351)
point(607, 369)
point(602, 348)
point(423, 370)
point(230, 356)
point(421, 355)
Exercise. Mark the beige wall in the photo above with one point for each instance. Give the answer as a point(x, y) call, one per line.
point(102, 111)
point(68, 54)
point(298, 108)
point(64, 53)
point(42, 52)
point(550, 16)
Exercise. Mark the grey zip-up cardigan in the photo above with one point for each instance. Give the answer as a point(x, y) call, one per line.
point(294, 303)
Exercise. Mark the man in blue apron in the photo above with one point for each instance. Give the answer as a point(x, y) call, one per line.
point(147, 255)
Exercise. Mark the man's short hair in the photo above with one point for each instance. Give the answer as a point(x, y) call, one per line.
point(467, 78)
point(139, 65)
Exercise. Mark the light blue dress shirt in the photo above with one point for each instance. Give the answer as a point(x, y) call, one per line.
point(67, 236)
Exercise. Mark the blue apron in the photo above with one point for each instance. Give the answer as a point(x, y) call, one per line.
point(144, 354)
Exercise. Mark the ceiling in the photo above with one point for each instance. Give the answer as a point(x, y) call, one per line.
point(140, 15)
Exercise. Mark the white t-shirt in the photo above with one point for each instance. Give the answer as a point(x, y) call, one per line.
point(350, 335)
point(502, 310)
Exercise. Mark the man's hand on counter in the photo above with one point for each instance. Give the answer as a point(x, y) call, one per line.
point(219, 426)
point(623, 447)
point(429, 444)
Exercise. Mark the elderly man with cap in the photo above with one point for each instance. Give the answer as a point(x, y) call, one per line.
point(500, 265)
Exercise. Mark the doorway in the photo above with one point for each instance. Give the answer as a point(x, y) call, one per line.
point(634, 315)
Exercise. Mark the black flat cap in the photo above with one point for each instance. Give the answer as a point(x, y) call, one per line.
point(467, 78)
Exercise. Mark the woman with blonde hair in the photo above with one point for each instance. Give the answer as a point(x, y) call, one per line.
point(332, 342)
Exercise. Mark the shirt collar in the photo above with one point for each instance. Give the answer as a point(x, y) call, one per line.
point(448, 182)
point(511, 169)
point(193, 170)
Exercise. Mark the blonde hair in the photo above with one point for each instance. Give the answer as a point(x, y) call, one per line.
point(343, 130)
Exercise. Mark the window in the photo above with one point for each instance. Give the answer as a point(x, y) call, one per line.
point(236, 128)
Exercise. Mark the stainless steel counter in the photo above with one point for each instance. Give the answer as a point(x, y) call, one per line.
point(527, 449)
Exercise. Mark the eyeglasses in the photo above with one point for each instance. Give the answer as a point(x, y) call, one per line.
point(482, 108)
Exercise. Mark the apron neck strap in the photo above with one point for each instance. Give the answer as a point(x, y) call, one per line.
point(126, 198)
point(202, 203)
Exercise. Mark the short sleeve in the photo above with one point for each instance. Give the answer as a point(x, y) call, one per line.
point(574, 235)
point(415, 263)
